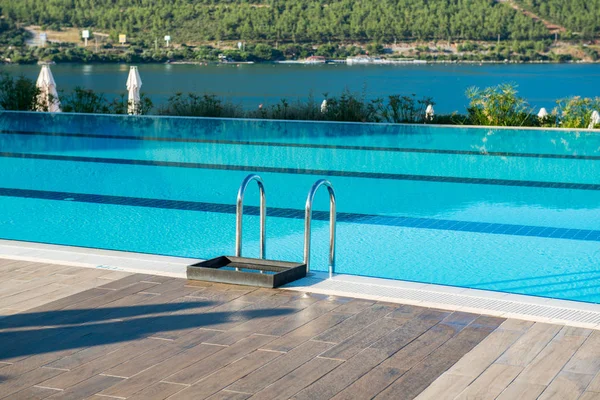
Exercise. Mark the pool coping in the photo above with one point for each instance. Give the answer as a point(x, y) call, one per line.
point(499, 304)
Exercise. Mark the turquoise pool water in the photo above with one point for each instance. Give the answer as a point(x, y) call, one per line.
point(507, 210)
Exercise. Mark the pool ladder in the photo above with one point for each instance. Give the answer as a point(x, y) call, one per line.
point(307, 219)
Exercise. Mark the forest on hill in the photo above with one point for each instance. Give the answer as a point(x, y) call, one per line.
point(581, 17)
point(307, 21)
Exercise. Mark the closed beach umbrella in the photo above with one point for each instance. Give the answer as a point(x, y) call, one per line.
point(429, 113)
point(595, 120)
point(48, 97)
point(134, 83)
point(543, 113)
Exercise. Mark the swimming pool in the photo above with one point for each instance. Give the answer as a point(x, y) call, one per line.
point(499, 209)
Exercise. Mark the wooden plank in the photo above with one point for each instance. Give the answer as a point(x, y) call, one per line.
point(60, 293)
point(44, 289)
point(338, 379)
point(30, 363)
point(156, 356)
point(424, 373)
point(219, 313)
point(529, 345)
point(160, 371)
point(446, 386)
point(113, 275)
point(33, 393)
point(19, 344)
point(38, 312)
point(421, 347)
point(28, 379)
point(587, 359)
point(259, 311)
point(590, 396)
point(406, 333)
point(294, 382)
point(522, 391)
point(229, 395)
point(226, 376)
point(354, 324)
point(296, 320)
point(371, 383)
point(380, 377)
point(355, 306)
point(277, 369)
point(157, 391)
point(567, 386)
point(363, 339)
point(81, 357)
point(127, 281)
point(491, 383)
point(406, 312)
point(595, 384)
point(99, 365)
point(489, 350)
point(86, 388)
point(516, 325)
point(207, 366)
point(258, 319)
point(307, 332)
point(550, 360)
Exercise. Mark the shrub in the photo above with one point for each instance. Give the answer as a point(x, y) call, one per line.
point(85, 101)
point(499, 106)
point(120, 105)
point(193, 105)
point(20, 94)
point(405, 109)
point(576, 112)
point(350, 107)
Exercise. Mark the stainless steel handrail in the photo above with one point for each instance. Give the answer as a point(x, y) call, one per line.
point(307, 224)
point(240, 214)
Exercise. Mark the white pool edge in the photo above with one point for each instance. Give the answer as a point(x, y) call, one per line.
point(505, 305)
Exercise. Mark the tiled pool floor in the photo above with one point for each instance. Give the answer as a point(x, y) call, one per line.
point(79, 333)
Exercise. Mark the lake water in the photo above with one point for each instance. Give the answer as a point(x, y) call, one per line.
point(251, 85)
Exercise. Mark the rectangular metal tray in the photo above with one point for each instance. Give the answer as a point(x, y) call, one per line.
point(247, 271)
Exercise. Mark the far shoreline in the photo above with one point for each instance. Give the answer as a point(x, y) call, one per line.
point(398, 63)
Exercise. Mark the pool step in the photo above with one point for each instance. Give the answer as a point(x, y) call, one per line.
point(258, 271)
point(247, 271)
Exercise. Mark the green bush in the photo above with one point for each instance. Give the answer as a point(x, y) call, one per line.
point(499, 106)
point(351, 107)
point(20, 94)
point(193, 105)
point(405, 109)
point(85, 101)
point(576, 112)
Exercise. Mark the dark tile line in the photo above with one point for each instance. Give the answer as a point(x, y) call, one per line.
point(312, 146)
point(303, 171)
point(369, 219)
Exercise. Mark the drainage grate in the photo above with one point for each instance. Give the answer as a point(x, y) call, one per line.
point(581, 316)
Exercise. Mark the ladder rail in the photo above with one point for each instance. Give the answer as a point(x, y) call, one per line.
point(308, 220)
point(240, 215)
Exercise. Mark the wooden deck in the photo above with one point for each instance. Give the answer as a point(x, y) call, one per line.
point(77, 333)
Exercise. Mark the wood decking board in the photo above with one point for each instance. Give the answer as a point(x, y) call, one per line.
point(80, 333)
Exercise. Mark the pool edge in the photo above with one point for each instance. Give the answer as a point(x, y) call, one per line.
point(506, 305)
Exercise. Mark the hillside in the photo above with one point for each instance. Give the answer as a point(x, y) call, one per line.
point(580, 17)
point(308, 21)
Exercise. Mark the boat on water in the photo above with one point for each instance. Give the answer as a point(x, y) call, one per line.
point(223, 59)
point(363, 59)
point(315, 60)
